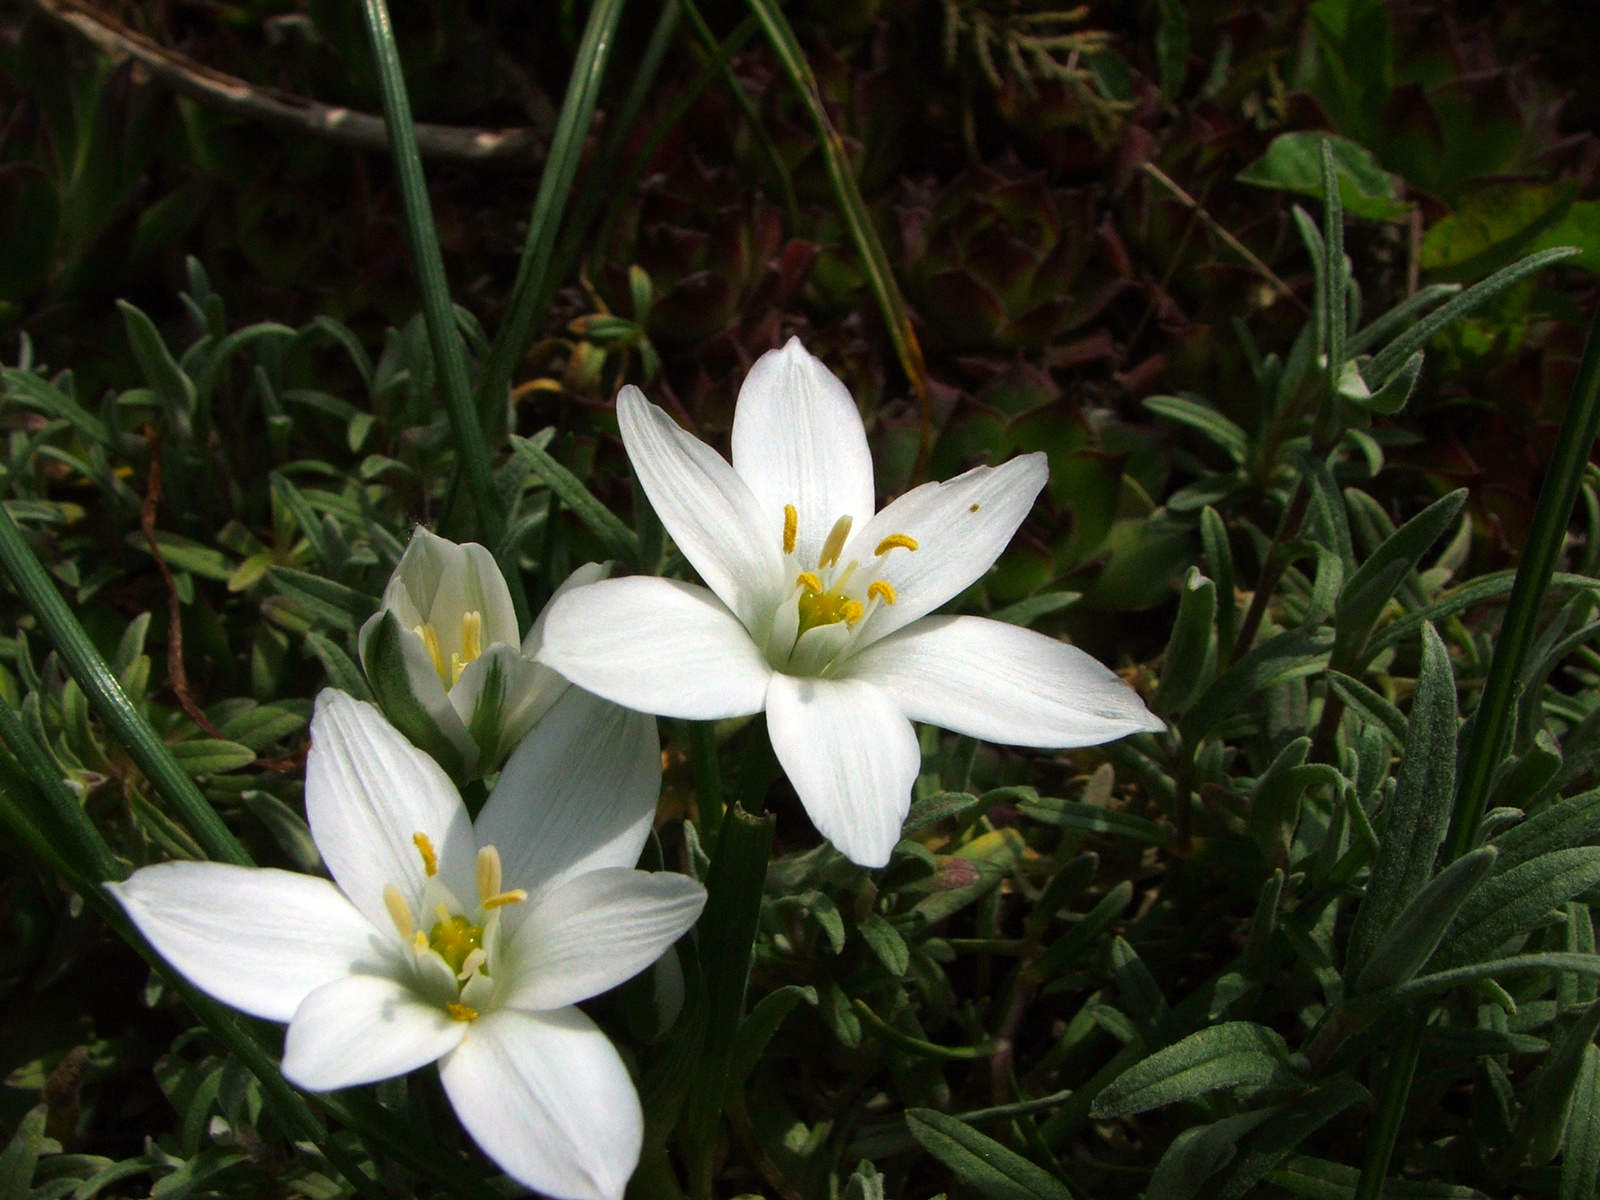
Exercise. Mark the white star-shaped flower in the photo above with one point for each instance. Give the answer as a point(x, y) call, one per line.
point(818, 608)
point(441, 939)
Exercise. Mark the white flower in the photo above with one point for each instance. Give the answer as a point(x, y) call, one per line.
point(443, 659)
point(817, 609)
point(441, 940)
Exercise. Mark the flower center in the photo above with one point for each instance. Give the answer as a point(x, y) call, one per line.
point(454, 958)
point(471, 647)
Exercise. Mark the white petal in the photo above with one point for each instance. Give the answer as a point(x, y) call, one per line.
point(362, 1029)
point(1001, 683)
point(368, 793)
point(960, 527)
point(709, 511)
point(499, 696)
point(852, 757)
point(657, 645)
point(596, 931)
point(257, 939)
point(798, 440)
point(580, 577)
point(578, 794)
point(422, 680)
point(547, 1098)
point(490, 595)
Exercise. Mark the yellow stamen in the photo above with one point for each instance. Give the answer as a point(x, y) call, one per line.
point(835, 543)
point(852, 611)
point(461, 1012)
point(430, 640)
point(791, 525)
point(399, 911)
point(902, 540)
point(881, 590)
point(420, 942)
point(514, 896)
point(489, 872)
point(471, 635)
point(430, 859)
point(810, 582)
point(974, 508)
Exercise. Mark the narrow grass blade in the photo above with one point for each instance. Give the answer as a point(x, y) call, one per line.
point(854, 210)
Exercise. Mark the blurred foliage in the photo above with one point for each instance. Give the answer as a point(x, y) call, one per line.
point(1114, 968)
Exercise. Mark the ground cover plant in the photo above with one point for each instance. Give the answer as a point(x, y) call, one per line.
point(1292, 300)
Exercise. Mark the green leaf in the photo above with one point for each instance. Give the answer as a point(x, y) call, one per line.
point(1026, 612)
point(1319, 1179)
point(605, 524)
point(210, 756)
point(1580, 228)
point(983, 1163)
point(1172, 47)
point(757, 1030)
point(21, 1153)
point(1263, 1149)
point(288, 828)
point(1191, 653)
point(172, 387)
point(261, 725)
point(1544, 1118)
point(1423, 986)
point(1234, 1054)
point(1422, 924)
point(1485, 587)
point(1198, 1153)
point(1201, 417)
point(341, 668)
point(384, 660)
point(1492, 225)
point(33, 391)
point(1365, 593)
point(1515, 900)
point(1561, 826)
point(1091, 818)
point(887, 944)
point(933, 809)
point(1580, 1157)
point(1420, 813)
point(181, 554)
point(340, 606)
point(304, 516)
point(1291, 655)
point(1079, 941)
point(1293, 163)
point(1219, 560)
point(1372, 708)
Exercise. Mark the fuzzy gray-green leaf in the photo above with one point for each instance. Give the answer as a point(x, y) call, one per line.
point(1233, 1054)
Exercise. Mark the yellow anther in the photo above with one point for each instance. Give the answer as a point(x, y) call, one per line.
point(489, 872)
point(430, 859)
point(852, 611)
point(974, 508)
point(810, 582)
point(430, 640)
point(456, 667)
point(514, 896)
point(420, 942)
point(832, 548)
point(471, 635)
point(791, 525)
point(461, 1012)
point(399, 911)
point(902, 540)
point(881, 590)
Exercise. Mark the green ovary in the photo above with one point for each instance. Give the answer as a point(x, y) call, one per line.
point(455, 939)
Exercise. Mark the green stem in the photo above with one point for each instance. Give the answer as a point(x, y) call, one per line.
point(727, 936)
point(112, 705)
point(561, 164)
point(437, 309)
point(917, 1046)
point(1491, 722)
point(707, 779)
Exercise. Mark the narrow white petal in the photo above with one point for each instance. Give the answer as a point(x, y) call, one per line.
point(578, 794)
point(709, 511)
point(798, 440)
point(362, 1029)
point(259, 940)
point(960, 527)
point(1001, 683)
point(852, 757)
point(598, 930)
point(368, 793)
point(657, 645)
point(580, 577)
point(493, 596)
point(547, 1097)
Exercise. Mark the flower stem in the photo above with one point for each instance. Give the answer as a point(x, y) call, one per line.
point(1486, 733)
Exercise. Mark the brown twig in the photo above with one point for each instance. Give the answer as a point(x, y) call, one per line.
point(1234, 243)
point(176, 675)
point(218, 89)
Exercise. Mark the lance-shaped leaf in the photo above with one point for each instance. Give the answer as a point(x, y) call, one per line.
point(1421, 926)
point(1198, 1153)
point(1562, 826)
point(1368, 590)
point(1291, 655)
point(1580, 1158)
point(757, 1030)
point(1544, 1119)
point(1420, 812)
point(992, 1170)
point(1264, 1148)
point(1205, 420)
point(1191, 654)
point(161, 371)
point(1219, 558)
point(1514, 901)
point(1231, 1055)
point(1377, 712)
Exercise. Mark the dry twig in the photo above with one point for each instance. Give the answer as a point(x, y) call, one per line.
point(220, 90)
